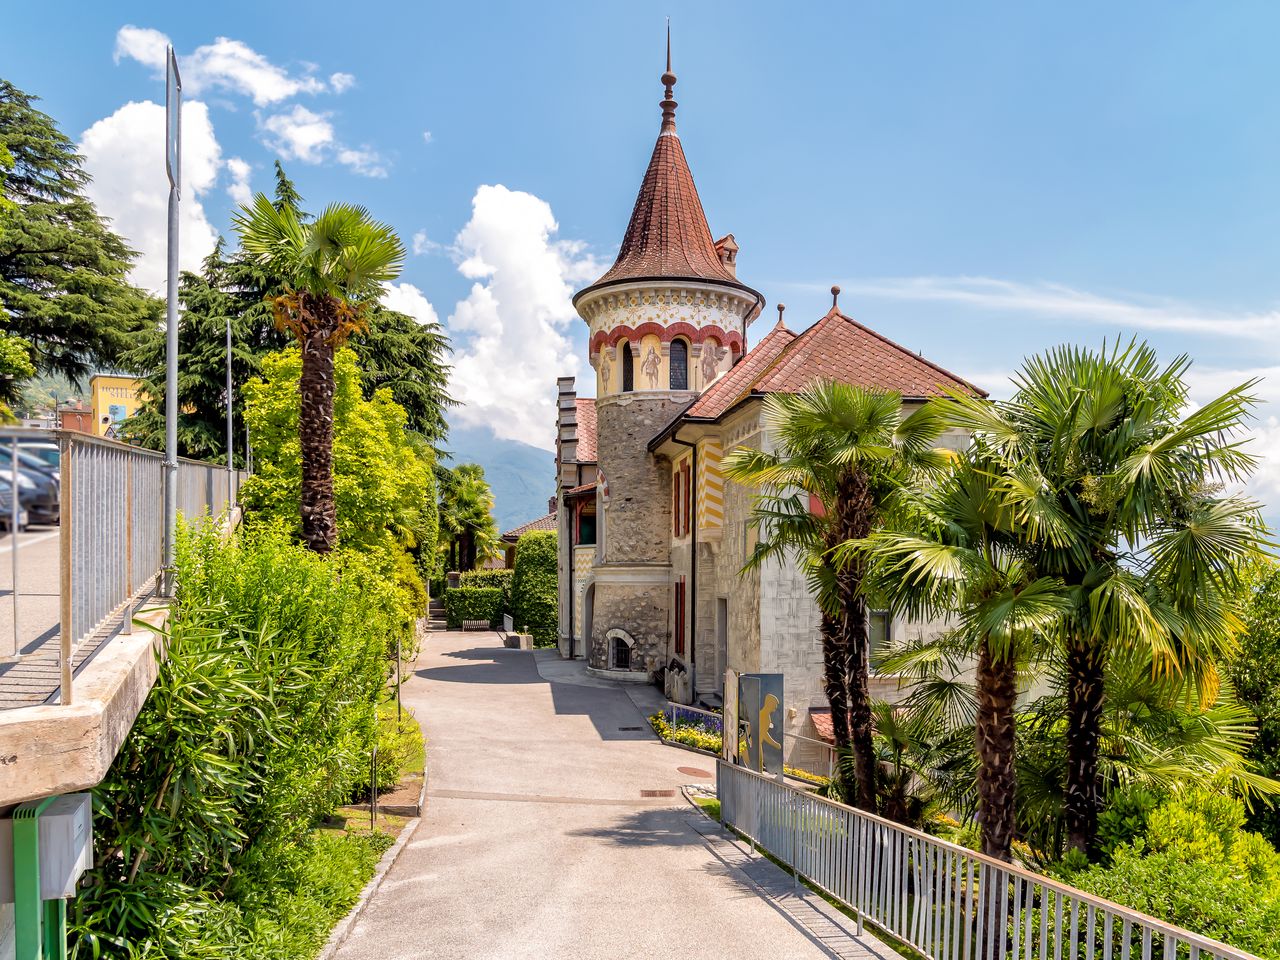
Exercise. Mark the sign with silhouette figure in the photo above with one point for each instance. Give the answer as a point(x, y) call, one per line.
point(760, 709)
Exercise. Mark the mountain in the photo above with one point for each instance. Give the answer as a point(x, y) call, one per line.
point(522, 477)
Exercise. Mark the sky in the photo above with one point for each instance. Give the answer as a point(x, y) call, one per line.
point(983, 180)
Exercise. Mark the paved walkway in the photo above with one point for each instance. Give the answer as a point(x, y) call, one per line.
point(543, 838)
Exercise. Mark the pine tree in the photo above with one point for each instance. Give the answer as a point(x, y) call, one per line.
point(63, 272)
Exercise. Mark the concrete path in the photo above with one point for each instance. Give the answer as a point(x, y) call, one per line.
point(543, 836)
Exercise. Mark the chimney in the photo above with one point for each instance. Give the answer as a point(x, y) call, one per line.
point(566, 433)
point(727, 251)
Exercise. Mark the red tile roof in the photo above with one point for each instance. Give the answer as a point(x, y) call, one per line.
point(574, 491)
point(586, 430)
point(736, 383)
point(839, 348)
point(542, 523)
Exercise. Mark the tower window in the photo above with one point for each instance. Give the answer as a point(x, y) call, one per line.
point(628, 369)
point(679, 365)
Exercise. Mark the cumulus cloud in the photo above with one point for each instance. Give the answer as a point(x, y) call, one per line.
point(229, 65)
point(1066, 303)
point(238, 189)
point(407, 299)
point(124, 153)
point(299, 134)
point(511, 332)
point(426, 136)
point(423, 244)
point(363, 161)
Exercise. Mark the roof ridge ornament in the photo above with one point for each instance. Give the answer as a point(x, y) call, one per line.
point(835, 298)
point(668, 79)
point(781, 325)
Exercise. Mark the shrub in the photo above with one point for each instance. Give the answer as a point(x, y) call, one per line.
point(491, 578)
point(400, 749)
point(1255, 672)
point(1196, 867)
point(260, 722)
point(473, 603)
point(534, 589)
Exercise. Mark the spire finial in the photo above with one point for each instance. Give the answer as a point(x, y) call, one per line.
point(781, 307)
point(668, 81)
point(835, 297)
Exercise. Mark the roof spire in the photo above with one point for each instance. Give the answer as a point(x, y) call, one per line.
point(835, 297)
point(781, 325)
point(668, 81)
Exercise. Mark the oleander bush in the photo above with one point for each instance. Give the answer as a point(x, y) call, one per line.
point(259, 724)
point(473, 603)
point(534, 588)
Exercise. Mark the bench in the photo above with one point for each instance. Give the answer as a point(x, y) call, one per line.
point(476, 625)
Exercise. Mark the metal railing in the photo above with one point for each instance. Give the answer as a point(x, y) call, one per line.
point(110, 503)
point(678, 714)
point(945, 901)
point(812, 756)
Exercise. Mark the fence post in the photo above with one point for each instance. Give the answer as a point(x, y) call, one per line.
point(67, 520)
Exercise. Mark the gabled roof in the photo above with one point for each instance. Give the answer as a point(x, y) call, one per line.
point(542, 523)
point(837, 347)
point(586, 408)
point(728, 389)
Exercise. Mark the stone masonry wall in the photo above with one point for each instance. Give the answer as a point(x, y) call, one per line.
point(641, 609)
point(637, 512)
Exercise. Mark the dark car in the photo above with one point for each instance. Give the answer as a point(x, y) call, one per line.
point(38, 489)
point(46, 451)
point(6, 508)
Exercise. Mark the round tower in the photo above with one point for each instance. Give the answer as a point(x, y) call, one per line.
point(663, 323)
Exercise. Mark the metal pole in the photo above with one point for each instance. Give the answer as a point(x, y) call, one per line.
point(173, 165)
point(231, 495)
point(13, 537)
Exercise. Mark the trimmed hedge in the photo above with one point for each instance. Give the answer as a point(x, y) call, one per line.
point(491, 578)
point(534, 591)
point(473, 603)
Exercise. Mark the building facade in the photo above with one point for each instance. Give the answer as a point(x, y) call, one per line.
point(652, 538)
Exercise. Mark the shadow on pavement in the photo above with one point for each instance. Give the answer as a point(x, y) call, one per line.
point(495, 665)
point(662, 827)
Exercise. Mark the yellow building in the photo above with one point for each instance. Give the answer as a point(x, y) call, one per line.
point(114, 400)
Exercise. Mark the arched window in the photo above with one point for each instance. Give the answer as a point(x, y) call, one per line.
point(628, 369)
point(679, 365)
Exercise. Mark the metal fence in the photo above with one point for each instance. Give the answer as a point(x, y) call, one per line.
point(110, 505)
point(945, 901)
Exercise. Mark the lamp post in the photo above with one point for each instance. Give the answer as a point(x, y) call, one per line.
point(231, 493)
point(173, 168)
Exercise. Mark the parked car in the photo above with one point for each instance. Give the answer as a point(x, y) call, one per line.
point(38, 489)
point(26, 458)
point(6, 508)
point(44, 450)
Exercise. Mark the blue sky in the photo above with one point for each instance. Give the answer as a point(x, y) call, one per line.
point(984, 180)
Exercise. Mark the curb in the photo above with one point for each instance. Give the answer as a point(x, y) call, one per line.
point(338, 935)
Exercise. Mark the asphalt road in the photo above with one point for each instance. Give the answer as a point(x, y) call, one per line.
point(537, 840)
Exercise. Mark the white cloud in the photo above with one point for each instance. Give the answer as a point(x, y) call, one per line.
point(124, 153)
point(225, 64)
point(238, 190)
point(510, 333)
point(408, 299)
point(299, 134)
point(426, 136)
point(423, 244)
point(363, 161)
point(1062, 302)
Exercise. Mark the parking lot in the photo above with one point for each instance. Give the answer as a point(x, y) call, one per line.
point(35, 639)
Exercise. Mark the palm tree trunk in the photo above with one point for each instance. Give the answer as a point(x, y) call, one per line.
point(997, 783)
point(834, 672)
point(854, 514)
point(315, 431)
point(1084, 730)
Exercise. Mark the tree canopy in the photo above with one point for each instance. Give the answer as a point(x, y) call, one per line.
point(63, 272)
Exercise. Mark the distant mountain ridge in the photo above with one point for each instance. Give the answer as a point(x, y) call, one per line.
point(521, 476)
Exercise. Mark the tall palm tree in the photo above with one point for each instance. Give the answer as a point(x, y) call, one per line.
point(1116, 485)
point(851, 450)
point(958, 557)
point(333, 269)
point(467, 527)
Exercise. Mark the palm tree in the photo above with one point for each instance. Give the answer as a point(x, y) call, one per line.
point(333, 269)
point(958, 557)
point(1115, 484)
point(467, 527)
point(851, 450)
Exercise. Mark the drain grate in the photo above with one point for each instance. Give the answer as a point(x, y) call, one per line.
point(629, 729)
point(657, 793)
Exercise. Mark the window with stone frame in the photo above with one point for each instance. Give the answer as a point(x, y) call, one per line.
point(680, 616)
point(679, 365)
point(628, 369)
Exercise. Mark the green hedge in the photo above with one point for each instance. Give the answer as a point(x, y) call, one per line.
point(491, 578)
point(534, 605)
point(473, 603)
